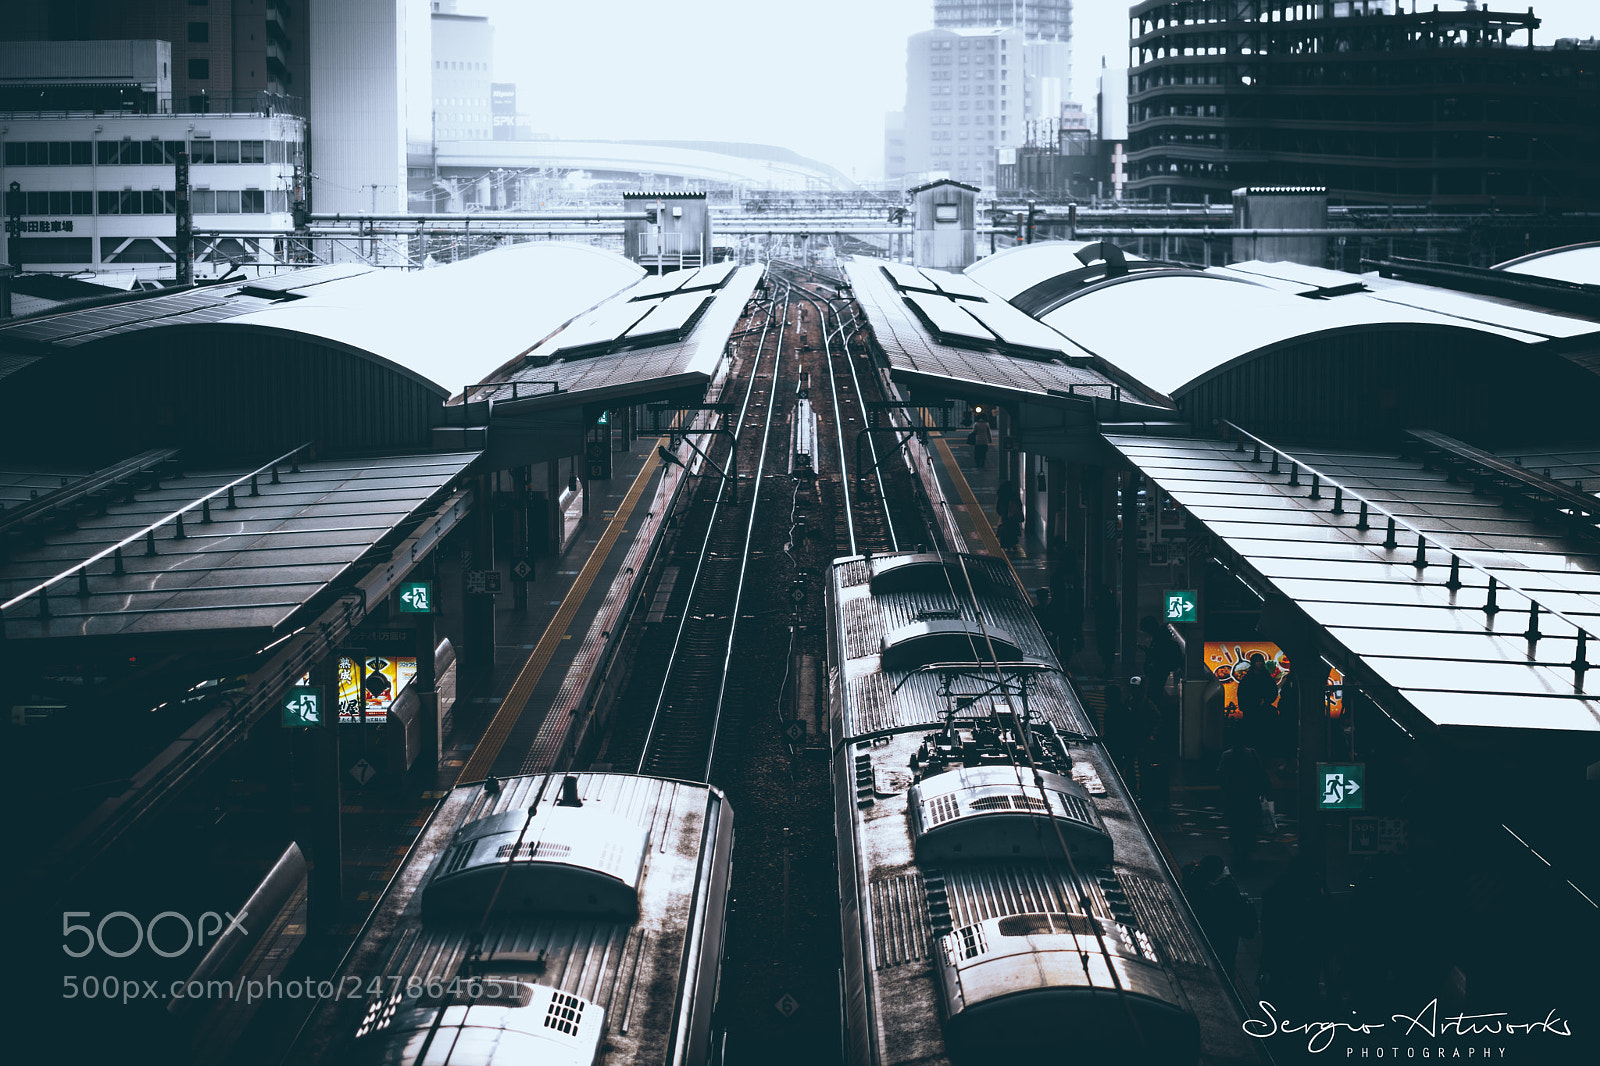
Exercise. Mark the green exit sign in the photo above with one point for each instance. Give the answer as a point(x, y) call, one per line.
point(1341, 786)
point(416, 597)
point(1180, 604)
point(302, 706)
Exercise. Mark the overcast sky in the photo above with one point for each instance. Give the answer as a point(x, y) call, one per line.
point(812, 75)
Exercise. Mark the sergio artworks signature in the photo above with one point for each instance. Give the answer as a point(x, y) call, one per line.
point(1320, 1035)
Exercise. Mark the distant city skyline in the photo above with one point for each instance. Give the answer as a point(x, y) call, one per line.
point(817, 80)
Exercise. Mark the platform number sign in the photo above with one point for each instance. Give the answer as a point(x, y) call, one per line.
point(416, 597)
point(302, 706)
point(1180, 604)
point(1341, 786)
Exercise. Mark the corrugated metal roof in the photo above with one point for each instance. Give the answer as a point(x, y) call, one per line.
point(251, 567)
point(1455, 664)
point(638, 372)
point(913, 353)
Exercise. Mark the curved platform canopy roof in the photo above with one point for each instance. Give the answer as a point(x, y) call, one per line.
point(1578, 264)
point(1338, 362)
point(1038, 278)
point(452, 325)
point(350, 357)
point(766, 166)
point(1014, 271)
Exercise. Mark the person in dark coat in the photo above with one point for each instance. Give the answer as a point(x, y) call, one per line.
point(1105, 627)
point(1295, 918)
point(1044, 611)
point(982, 437)
point(1008, 506)
point(1067, 599)
point(1121, 732)
point(1163, 656)
point(1224, 913)
point(1258, 694)
point(1244, 783)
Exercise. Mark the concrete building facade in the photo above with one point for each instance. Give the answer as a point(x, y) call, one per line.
point(964, 98)
point(220, 48)
point(1377, 102)
point(463, 70)
point(94, 185)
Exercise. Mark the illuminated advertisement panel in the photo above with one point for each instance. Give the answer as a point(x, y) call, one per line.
point(1228, 661)
point(387, 677)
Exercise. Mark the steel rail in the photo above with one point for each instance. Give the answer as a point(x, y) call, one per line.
point(838, 419)
point(705, 549)
point(744, 553)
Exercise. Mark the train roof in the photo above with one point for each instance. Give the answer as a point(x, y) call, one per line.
point(594, 940)
point(963, 902)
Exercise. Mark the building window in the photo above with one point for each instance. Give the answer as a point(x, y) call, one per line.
point(202, 152)
point(199, 69)
point(199, 33)
point(53, 250)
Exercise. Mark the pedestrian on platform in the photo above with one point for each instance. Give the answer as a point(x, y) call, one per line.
point(1120, 732)
point(1244, 785)
point(981, 438)
point(1163, 656)
point(1044, 612)
point(1067, 599)
point(1105, 627)
point(1258, 698)
point(1295, 917)
point(1008, 507)
point(1224, 913)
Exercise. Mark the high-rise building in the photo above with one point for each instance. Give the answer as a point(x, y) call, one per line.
point(371, 102)
point(964, 98)
point(463, 69)
point(97, 100)
point(1035, 82)
point(1376, 102)
point(220, 48)
point(1035, 18)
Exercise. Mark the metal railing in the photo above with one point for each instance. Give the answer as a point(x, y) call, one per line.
point(1341, 499)
point(147, 534)
point(493, 386)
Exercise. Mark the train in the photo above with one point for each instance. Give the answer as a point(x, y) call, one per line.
point(1000, 894)
point(565, 919)
point(803, 442)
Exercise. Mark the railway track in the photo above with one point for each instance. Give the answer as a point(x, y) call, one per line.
point(730, 632)
point(869, 493)
point(690, 672)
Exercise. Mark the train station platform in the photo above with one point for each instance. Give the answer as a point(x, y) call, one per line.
point(549, 657)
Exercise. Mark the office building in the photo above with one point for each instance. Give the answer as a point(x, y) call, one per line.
point(964, 98)
point(1033, 39)
point(1378, 103)
point(92, 158)
point(220, 48)
point(463, 69)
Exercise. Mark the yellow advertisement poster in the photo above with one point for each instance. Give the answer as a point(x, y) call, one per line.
point(387, 677)
point(1229, 661)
